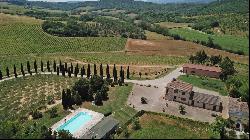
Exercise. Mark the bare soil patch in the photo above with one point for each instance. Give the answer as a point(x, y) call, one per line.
point(175, 48)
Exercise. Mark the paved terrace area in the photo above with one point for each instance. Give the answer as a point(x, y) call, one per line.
point(96, 117)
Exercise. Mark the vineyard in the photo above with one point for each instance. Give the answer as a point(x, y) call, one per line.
point(22, 95)
point(31, 39)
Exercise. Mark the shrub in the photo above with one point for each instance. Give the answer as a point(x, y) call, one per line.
point(107, 113)
point(136, 124)
point(50, 100)
point(53, 112)
point(143, 100)
point(36, 114)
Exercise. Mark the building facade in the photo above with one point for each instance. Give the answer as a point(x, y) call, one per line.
point(183, 92)
point(202, 70)
point(239, 113)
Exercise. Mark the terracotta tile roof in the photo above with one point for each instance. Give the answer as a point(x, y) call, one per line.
point(202, 67)
point(206, 98)
point(177, 84)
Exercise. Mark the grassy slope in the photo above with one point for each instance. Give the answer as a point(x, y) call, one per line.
point(162, 127)
point(116, 103)
point(155, 36)
point(226, 41)
point(206, 83)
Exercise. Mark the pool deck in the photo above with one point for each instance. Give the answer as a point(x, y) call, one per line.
point(96, 117)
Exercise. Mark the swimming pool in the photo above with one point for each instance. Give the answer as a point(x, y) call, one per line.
point(76, 122)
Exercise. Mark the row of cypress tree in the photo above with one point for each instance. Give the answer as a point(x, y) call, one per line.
point(63, 68)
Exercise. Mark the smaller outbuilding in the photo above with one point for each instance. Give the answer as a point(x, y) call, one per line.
point(202, 70)
point(103, 129)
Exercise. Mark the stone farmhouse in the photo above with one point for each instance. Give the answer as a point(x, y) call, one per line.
point(239, 113)
point(202, 70)
point(183, 92)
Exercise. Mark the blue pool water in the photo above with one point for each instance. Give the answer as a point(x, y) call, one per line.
point(76, 122)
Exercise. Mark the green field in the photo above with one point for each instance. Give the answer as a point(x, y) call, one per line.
point(116, 104)
point(227, 42)
point(159, 126)
point(22, 95)
point(206, 83)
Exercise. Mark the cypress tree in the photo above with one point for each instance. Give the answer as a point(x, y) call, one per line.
point(41, 65)
point(88, 71)
point(1, 75)
point(107, 72)
point(64, 100)
point(60, 66)
point(76, 70)
point(128, 73)
point(69, 98)
point(48, 66)
point(95, 71)
point(69, 72)
point(54, 66)
point(121, 72)
point(115, 73)
point(22, 71)
point(65, 67)
point(122, 77)
point(83, 69)
point(57, 70)
point(15, 71)
point(63, 71)
point(28, 67)
point(101, 71)
point(81, 72)
point(7, 72)
point(71, 68)
point(35, 66)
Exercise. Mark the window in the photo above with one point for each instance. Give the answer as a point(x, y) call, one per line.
point(176, 91)
point(183, 93)
point(183, 99)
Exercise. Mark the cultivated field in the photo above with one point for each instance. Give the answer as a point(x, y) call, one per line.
point(175, 48)
point(22, 95)
point(32, 39)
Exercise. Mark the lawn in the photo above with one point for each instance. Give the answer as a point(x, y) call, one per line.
point(116, 104)
point(22, 95)
point(227, 42)
point(206, 83)
point(159, 126)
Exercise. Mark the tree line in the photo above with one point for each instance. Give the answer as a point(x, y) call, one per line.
point(69, 71)
point(103, 27)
